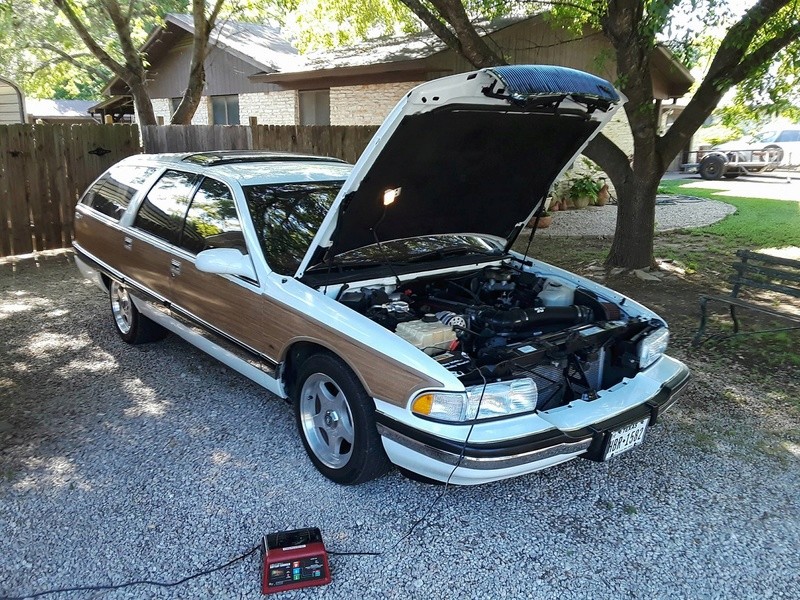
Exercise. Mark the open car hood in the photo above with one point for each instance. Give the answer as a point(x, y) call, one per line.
point(470, 153)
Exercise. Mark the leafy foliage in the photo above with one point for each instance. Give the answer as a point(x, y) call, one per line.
point(40, 50)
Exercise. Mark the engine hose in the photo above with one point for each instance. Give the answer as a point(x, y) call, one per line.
point(520, 319)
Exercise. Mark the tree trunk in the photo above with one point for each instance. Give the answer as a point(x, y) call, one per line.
point(142, 103)
point(632, 247)
point(197, 73)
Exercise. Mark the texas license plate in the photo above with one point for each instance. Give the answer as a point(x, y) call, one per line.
point(625, 438)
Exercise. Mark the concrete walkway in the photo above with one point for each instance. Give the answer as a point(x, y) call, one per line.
point(778, 185)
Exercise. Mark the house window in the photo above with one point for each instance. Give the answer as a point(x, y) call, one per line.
point(225, 110)
point(174, 103)
point(315, 107)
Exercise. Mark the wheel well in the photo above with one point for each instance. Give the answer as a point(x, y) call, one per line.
point(297, 354)
point(295, 357)
point(106, 281)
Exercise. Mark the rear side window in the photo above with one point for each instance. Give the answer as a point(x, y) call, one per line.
point(212, 221)
point(165, 205)
point(112, 194)
point(789, 135)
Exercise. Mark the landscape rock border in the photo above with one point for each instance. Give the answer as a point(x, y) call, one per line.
point(672, 212)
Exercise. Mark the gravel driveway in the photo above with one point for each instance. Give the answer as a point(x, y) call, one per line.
point(120, 463)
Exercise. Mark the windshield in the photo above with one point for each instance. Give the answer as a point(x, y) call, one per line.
point(286, 217)
point(764, 137)
point(416, 250)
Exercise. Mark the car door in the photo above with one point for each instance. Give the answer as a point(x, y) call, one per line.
point(151, 242)
point(789, 141)
point(228, 309)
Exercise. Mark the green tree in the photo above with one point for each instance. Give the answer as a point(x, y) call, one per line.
point(761, 41)
point(86, 18)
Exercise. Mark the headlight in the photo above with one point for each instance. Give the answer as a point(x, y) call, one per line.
point(479, 402)
point(653, 347)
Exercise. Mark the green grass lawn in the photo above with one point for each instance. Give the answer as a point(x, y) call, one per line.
point(757, 222)
point(708, 252)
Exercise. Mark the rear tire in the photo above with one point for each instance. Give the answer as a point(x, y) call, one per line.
point(336, 421)
point(712, 167)
point(131, 325)
point(775, 154)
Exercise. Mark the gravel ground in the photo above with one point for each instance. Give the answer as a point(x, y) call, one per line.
point(672, 212)
point(121, 463)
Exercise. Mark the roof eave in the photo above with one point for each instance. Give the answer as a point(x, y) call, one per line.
point(681, 80)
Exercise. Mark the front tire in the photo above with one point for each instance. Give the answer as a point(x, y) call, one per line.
point(336, 420)
point(131, 325)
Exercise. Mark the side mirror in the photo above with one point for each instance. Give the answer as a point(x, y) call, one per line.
point(225, 261)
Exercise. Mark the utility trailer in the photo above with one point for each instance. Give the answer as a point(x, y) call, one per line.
point(716, 164)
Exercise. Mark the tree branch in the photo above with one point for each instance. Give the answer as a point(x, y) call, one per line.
point(95, 73)
point(433, 23)
point(122, 26)
point(763, 53)
point(611, 159)
point(473, 46)
point(68, 11)
point(731, 65)
point(735, 43)
point(556, 3)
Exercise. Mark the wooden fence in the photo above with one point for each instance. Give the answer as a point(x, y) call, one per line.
point(45, 168)
point(346, 142)
point(43, 171)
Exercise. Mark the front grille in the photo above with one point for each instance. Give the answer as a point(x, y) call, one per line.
point(552, 384)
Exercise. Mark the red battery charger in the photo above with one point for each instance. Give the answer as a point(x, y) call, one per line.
point(292, 560)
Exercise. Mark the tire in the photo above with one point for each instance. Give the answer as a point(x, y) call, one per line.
point(776, 153)
point(336, 421)
point(712, 167)
point(131, 325)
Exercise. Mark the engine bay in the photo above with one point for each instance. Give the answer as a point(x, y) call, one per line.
point(501, 323)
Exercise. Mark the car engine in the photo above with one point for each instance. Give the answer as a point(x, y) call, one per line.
point(501, 323)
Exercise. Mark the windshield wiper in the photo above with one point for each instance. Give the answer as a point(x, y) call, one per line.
point(441, 253)
point(337, 266)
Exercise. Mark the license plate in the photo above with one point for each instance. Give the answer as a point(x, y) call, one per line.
point(625, 438)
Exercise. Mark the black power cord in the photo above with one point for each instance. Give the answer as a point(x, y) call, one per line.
point(441, 494)
point(87, 588)
point(251, 551)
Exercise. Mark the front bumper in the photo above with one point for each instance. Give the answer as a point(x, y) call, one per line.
point(474, 463)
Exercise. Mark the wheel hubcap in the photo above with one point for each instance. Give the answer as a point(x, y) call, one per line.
point(326, 421)
point(121, 307)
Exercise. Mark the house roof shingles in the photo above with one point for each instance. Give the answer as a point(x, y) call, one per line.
point(260, 45)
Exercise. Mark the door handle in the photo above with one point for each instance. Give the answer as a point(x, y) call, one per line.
point(127, 243)
point(175, 268)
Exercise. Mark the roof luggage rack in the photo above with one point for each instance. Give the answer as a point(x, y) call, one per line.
point(226, 157)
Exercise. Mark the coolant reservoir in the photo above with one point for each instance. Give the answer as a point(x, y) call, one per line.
point(557, 294)
point(429, 334)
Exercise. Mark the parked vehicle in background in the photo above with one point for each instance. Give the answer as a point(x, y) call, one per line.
point(384, 299)
point(761, 153)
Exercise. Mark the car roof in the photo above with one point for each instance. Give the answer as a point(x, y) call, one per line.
point(780, 128)
point(252, 167)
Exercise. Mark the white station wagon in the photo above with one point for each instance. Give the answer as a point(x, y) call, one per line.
point(384, 299)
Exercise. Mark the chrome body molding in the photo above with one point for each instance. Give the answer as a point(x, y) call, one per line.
point(568, 449)
point(177, 320)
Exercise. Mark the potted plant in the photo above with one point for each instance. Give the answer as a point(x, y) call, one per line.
point(604, 194)
point(583, 191)
point(545, 220)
